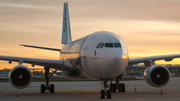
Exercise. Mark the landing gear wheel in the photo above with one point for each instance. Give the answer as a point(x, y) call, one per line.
point(52, 88)
point(108, 94)
point(42, 88)
point(121, 87)
point(47, 77)
point(102, 94)
point(113, 87)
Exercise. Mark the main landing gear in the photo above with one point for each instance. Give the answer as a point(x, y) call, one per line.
point(117, 86)
point(47, 77)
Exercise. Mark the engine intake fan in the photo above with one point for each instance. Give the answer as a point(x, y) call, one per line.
point(20, 76)
point(157, 75)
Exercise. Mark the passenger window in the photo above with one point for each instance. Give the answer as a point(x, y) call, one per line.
point(98, 46)
point(110, 45)
point(116, 45)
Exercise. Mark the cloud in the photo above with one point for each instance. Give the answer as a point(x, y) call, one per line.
point(14, 5)
point(155, 10)
point(149, 27)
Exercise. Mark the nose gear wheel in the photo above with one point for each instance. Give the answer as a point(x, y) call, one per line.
point(105, 92)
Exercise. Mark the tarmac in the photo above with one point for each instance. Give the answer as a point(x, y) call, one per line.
point(90, 90)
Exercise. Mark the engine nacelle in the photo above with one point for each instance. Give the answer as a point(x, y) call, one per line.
point(157, 75)
point(20, 76)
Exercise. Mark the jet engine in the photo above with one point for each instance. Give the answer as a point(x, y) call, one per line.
point(157, 75)
point(20, 76)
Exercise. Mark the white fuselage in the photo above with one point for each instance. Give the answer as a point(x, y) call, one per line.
point(103, 55)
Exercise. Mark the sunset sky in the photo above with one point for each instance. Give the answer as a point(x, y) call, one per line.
point(148, 27)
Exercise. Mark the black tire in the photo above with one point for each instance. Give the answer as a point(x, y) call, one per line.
point(123, 88)
point(113, 87)
point(108, 94)
point(52, 88)
point(102, 94)
point(42, 88)
point(120, 87)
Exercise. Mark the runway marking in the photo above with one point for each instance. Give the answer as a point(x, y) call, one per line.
point(79, 91)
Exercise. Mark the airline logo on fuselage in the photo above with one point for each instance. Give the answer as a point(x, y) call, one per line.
point(95, 53)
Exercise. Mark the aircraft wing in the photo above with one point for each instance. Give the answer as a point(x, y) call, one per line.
point(63, 65)
point(153, 58)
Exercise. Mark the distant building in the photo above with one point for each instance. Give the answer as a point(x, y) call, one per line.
point(138, 70)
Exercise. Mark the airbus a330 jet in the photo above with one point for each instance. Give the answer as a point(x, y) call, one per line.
point(101, 55)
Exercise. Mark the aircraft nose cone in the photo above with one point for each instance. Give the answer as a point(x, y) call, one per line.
point(113, 57)
point(112, 63)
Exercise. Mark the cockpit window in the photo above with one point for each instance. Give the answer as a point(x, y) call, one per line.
point(110, 45)
point(102, 45)
point(98, 46)
point(116, 45)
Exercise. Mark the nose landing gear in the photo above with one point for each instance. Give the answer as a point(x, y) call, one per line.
point(105, 91)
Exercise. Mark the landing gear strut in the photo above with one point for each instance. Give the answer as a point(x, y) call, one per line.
point(47, 77)
point(117, 86)
point(105, 91)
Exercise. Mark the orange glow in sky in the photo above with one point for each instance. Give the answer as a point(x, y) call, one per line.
point(148, 28)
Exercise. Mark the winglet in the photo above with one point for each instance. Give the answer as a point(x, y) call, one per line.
point(66, 29)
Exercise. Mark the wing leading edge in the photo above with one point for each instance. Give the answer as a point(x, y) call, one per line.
point(63, 65)
point(153, 58)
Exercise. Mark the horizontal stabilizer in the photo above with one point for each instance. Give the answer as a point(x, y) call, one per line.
point(46, 48)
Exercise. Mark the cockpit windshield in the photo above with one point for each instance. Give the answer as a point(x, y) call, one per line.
point(117, 45)
point(108, 45)
point(100, 45)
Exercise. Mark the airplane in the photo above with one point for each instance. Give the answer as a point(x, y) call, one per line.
point(101, 55)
